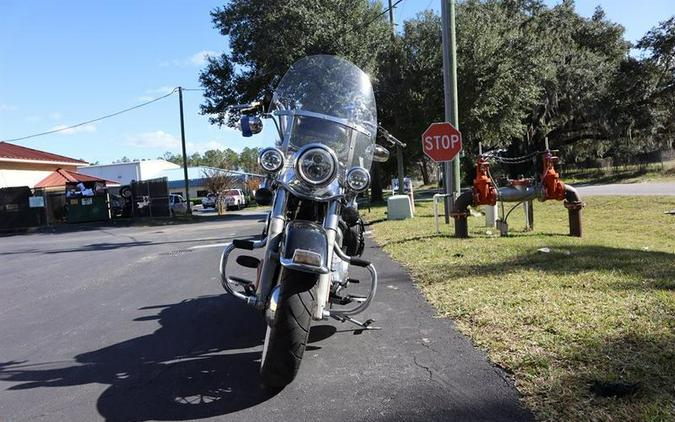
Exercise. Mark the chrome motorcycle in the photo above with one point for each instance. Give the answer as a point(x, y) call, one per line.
point(325, 115)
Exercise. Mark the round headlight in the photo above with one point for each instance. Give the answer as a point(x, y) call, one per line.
point(271, 160)
point(317, 165)
point(358, 179)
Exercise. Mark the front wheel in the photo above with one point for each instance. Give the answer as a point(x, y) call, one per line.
point(286, 337)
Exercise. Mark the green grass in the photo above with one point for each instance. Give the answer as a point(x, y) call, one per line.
point(657, 172)
point(596, 309)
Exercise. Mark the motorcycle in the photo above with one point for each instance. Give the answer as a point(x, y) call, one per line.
point(326, 119)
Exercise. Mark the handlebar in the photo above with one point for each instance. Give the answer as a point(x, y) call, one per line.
point(390, 138)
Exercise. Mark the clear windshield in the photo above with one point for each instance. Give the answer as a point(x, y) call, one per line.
point(328, 100)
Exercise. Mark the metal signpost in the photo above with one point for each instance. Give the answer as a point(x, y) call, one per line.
point(452, 177)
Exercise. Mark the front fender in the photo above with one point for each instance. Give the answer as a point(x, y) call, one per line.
point(305, 247)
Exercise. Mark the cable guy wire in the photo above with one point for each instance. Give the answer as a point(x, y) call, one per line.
point(93, 120)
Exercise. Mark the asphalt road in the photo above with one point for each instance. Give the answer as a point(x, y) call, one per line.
point(131, 324)
point(647, 188)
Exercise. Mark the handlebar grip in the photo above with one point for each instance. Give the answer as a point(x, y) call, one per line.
point(359, 262)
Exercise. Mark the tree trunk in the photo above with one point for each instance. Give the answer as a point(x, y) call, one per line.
point(425, 172)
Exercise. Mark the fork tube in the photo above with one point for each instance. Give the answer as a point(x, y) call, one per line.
point(276, 228)
point(330, 224)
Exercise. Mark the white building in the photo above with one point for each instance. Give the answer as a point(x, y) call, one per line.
point(124, 173)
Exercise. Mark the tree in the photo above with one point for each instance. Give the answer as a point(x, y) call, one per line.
point(526, 72)
point(265, 38)
point(248, 160)
point(219, 182)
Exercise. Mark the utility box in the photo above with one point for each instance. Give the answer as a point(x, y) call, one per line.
point(398, 207)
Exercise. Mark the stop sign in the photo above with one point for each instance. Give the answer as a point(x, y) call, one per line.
point(441, 142)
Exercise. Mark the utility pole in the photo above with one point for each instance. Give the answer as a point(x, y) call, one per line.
point(399, 149)
point(451, 175)
point(391, 20)
point(182, 137)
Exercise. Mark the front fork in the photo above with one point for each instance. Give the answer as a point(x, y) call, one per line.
point(330, 224)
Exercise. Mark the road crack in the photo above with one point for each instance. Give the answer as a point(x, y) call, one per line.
point(426, 368)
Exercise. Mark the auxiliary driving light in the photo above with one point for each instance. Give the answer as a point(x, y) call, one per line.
point(358, 179)
point(271, 160)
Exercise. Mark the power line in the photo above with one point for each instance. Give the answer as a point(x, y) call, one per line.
point(93, 120)
point(380, 15)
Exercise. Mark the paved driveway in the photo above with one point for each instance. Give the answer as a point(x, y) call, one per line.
point(131, 324)
point(651, 188)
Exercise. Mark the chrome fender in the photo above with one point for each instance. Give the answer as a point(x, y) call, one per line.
point(305, 247)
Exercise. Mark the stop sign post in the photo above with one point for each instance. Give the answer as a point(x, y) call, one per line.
point(441, 142)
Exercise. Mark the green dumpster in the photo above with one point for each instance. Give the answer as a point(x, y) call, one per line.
point(83, 209)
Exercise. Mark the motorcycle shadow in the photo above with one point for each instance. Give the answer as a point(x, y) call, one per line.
point(203, 361)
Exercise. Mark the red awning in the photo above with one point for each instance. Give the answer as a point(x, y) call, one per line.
point(60, 177)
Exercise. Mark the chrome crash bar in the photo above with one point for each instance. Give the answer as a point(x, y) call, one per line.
point(373, 285)
point(228, 281)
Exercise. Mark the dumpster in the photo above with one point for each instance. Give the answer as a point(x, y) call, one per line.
point(87, 201)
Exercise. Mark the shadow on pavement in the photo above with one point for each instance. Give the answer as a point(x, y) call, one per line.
point(203, 361)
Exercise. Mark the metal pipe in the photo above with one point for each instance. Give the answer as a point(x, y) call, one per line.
point(461, 212)
point(571, 194)
point(530, 214)
point(435, 202)
point(574, 206)
point(511, 194)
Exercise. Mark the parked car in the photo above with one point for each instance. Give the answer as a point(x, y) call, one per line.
point(177, 205)
point(209, 201)
point(234, 199)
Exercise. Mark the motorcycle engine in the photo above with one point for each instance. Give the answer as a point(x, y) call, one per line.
point(351, 224)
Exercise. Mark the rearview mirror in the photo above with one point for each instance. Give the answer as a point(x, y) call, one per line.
point(380, 154)
point(250, 125)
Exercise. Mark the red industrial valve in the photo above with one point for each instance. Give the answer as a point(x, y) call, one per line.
point(484, 191)
point(554, 188)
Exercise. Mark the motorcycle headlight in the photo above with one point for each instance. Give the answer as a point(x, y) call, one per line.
point(317, 164)
point(271, 160)
point(358, 179)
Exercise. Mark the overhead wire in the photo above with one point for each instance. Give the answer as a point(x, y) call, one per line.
point(107, 116)
point(379, 15)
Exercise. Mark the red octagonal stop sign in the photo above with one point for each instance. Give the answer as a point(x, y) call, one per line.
point(441, 142)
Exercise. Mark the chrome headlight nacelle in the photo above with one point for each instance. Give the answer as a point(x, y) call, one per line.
point(358, 179)
point(316, 165)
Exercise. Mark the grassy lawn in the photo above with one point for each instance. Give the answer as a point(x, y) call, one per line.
point(624, 174)
point(570, 324)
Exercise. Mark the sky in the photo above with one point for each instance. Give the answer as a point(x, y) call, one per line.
point(65, 62)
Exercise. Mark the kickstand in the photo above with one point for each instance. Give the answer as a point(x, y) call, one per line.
point(364, 325)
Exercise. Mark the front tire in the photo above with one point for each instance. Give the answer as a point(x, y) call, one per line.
point(286, 338)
